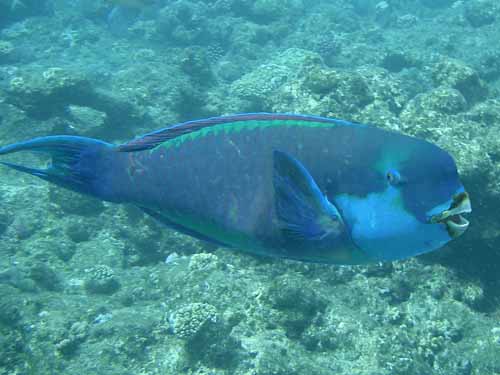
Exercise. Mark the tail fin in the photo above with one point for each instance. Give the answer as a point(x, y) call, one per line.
point(78, 163)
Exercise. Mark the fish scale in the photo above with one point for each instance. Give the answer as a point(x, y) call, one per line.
point(295, 186)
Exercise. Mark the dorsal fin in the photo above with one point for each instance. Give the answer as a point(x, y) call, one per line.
point(151, 140)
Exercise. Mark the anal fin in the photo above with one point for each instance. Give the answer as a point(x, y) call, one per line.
point(180, 228)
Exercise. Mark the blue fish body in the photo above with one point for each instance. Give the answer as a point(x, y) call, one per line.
point(300, 187)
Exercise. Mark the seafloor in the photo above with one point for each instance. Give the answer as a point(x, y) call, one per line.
point(95, 288)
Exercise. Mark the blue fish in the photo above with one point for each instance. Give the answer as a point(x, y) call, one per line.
point(292, 186)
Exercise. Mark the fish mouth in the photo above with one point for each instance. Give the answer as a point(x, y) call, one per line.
point(455, 223)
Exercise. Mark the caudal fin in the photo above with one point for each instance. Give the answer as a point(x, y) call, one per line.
point(78, 163)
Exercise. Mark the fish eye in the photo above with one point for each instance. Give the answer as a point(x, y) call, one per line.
point(393, 177)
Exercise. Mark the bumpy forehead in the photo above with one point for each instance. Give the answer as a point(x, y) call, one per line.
point(363, 166)
point(432, 179)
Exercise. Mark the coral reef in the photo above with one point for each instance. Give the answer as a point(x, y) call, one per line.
point(456, 74)
point(192, 320)
point(102, 280)
point(6, 50)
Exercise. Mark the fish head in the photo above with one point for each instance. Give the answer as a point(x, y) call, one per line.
point(417, 206)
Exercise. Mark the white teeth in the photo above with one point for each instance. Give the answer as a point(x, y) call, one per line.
point(457, 229)
point(455, 223)
point(463, 224)
point(463, 208)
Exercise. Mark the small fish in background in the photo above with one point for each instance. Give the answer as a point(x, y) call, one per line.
point(124, 13)
point(293, 186)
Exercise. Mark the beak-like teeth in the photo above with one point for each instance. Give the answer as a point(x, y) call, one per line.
point(461, 205)
point(456, 229)
point(455, 223)
point(463, 223)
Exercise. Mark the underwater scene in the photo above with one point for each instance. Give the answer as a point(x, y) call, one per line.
point(250, 187)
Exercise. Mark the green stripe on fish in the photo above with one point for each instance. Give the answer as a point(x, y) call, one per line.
point(239, 122)
point(236, 127)
point(294, 186)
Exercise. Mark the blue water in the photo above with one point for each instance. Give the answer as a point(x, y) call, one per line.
point(99, 288)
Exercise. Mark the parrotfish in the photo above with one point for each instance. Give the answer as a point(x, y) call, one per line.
point(292, 186)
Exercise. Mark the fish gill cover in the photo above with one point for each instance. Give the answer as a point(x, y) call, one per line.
point(97, 288)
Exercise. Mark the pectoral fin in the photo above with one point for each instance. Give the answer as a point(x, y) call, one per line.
point(302, 209)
